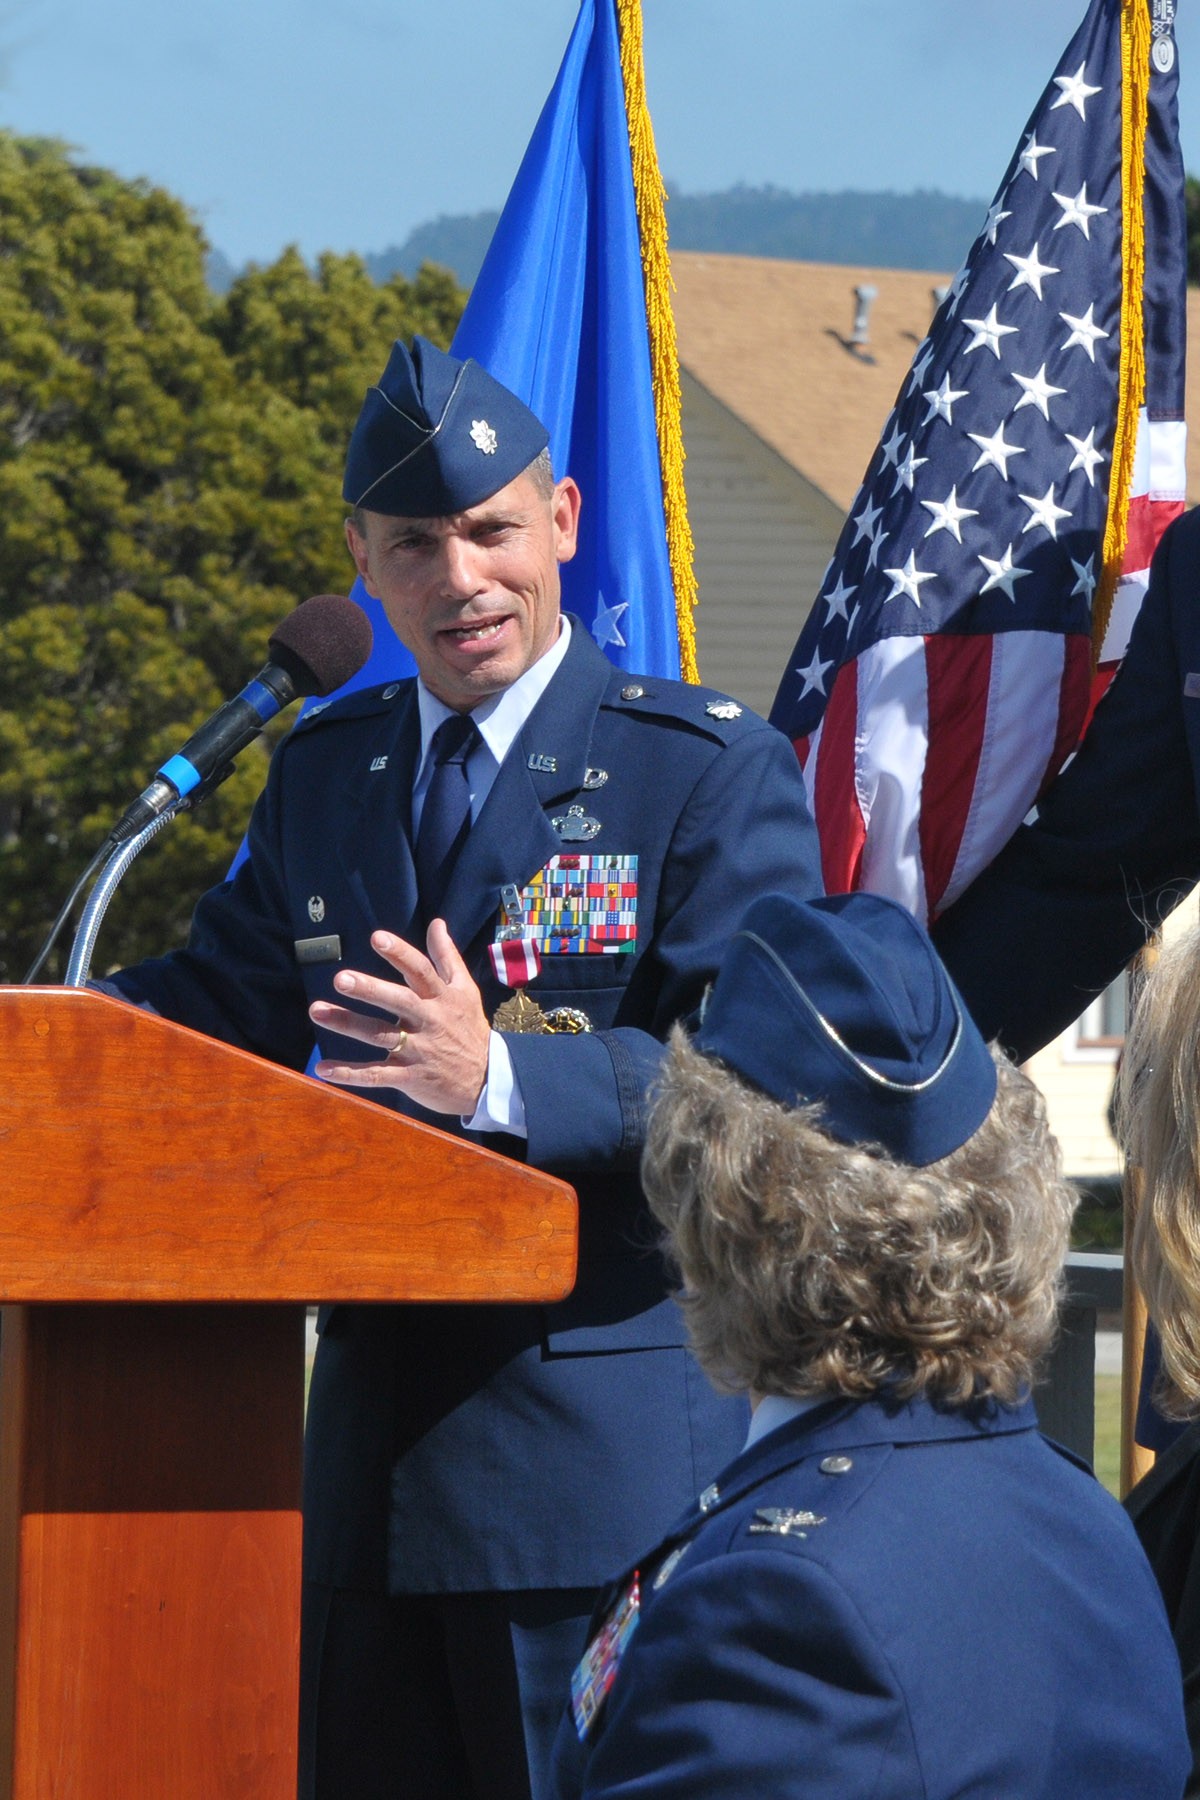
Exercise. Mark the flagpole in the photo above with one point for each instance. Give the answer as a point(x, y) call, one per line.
point(1131, 391)
point(650, 199)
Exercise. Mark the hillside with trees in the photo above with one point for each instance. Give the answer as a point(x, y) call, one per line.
point(170, 467)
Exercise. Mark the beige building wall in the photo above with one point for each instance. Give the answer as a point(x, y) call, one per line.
point(1077, 1082)
point(764, 535)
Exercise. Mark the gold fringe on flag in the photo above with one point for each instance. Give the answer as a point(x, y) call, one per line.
point(650, 196)
point(1135, 103)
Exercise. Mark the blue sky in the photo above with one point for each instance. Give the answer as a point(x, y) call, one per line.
point(341, 124)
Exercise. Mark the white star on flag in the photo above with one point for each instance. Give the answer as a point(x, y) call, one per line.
point(1002, 574)
point(1038, 392)
point(988, 333)
point(1084, 332)
point(908, 580)
point(813, 676)
point(941, 402)
point(1044, 512)
point(995, 451)
point(948, 514)
point(864, 522)
point(906, 470)
point(1077, 211)
point(1087, 457)
point(1028, 159)
point(1085, 578)
point(836, 598)
point(604, 628)
point(1075, 91)
point(1030, 271)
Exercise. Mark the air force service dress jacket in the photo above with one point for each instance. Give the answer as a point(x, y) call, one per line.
point(1116, 844)
point(902, 1604)
point(455, 1448)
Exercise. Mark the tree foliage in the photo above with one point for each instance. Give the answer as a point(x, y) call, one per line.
point(170, 468)
point(1192, 208)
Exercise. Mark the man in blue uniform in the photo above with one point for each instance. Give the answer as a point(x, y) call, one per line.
point(522, 814)
point(899, 1587)
point(1073, 897)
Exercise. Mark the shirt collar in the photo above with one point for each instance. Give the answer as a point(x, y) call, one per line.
point(501, 716)
point(774, 1410)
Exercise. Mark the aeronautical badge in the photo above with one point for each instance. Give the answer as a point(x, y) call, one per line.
point(723, 709)
point(483, 437)
point(576, 826)
point(598, 1666)
point(781, 1521)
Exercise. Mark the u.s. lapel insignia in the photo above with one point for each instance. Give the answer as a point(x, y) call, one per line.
point(781, 1521)
point(670, 1565)
point(576, 826)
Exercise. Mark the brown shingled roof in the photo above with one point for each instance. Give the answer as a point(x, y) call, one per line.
point(766, 338)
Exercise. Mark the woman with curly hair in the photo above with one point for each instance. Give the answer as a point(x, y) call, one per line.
point(1158, 1122)
point(899, 1588)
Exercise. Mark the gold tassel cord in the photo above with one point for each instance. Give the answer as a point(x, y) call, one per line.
point(650, 197)
point(1135, 106)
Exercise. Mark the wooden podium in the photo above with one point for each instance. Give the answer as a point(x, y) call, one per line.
point(167, 1207)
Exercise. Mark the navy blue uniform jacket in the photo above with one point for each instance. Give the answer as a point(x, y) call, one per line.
point(460, 1449)
point(1073, 897)
point(972, 1616)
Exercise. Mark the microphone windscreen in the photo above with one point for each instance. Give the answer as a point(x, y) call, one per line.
point(322, 644)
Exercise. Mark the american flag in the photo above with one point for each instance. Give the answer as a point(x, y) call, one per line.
point(1025, 474)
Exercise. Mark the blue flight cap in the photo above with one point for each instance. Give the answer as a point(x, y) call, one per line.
point(436, 436)
point(843, 1001)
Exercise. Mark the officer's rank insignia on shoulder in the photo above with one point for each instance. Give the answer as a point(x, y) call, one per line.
point(781, 1521)
point(597, 1668)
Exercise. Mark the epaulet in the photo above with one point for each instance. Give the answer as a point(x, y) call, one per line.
point(362, 704)
point(704, 709)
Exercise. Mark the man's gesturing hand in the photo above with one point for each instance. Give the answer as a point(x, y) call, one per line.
point(435, 1035)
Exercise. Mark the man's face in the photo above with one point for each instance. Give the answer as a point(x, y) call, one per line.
point(473, 596)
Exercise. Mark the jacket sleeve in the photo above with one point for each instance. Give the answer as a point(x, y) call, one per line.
point(745, 830)
point(237, 978)
point(753, 1674)
point(1116, 844)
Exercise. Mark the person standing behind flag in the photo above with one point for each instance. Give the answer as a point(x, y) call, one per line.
point(1002, 537)
point(472, 1473)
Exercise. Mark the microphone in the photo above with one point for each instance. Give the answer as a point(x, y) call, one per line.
point(316, 649)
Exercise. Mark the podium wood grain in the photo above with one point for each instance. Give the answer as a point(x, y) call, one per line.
point(167, 1205)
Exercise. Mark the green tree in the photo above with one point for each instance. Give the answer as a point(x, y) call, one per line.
point(169, 482)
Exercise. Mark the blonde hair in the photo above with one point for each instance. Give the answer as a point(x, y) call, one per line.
point(810, 1266)
point(1158, 1122)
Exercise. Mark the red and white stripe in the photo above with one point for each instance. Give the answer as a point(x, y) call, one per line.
point(515, 960)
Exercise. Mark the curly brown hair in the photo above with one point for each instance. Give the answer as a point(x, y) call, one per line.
point(813, 1267)
point(1158, 1123)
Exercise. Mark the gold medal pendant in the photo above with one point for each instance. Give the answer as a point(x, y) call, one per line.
point(520, 1013)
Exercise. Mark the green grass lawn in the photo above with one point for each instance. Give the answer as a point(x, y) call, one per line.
point(1108, 1431)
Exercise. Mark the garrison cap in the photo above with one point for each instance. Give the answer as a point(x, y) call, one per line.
point(437, 435)
point(843, 1001)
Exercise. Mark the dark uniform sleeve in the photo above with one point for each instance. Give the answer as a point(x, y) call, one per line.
point(1116, 845)
point(755, 1675)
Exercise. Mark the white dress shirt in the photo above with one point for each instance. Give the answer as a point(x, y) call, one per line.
point(499, 720)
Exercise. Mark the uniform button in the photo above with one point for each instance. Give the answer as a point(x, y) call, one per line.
point(390, 692)
point(837, 1465)
point(632, 693)
point(709, 1498)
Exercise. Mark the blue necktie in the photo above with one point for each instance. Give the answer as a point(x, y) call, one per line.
point(446, 814)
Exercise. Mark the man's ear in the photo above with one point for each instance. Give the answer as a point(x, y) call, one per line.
point(564, 507)
point(357, 546)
